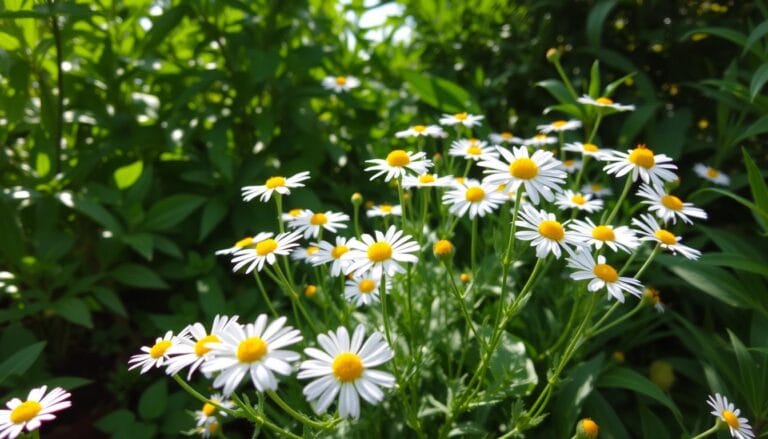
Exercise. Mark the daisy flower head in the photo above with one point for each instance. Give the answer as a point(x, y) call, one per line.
point(466, 119)
point(641, 162)
point(381, 253)
point(305, 254)
point(209, 428)
point(474, 197)
point(29, 414)
point(652, 296)
point(667, 206)
point(384, 210)
point(586, 149)
point(597, 190)
point(255, 349)
point(264, 251)
point(421, 131)
point(310, 223)
point(426, 180)
point(397, 163)
point(340, 83)
point(472, 149)
point(726, 412)
point(505, 137)
point(650, 230)
point(602, 275)
point(210, 409)
point(604, 102)
point(572, 165)
point(579, 201)
point(364, 289)
point(540, 174)
point(345, 368)
point(192, 348)
point(333, 254)
point(559, 126)
point(711, 174)
point(154, 356)
point(292, 215)
point(247, 242)
point(540, 140)
point(616, 238)
point(278, 184)
point(544, 231)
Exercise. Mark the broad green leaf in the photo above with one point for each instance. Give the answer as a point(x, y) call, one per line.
point(735, 261)
point(10, 229)
point(599, 409)
point(8, 42)
point(623, 378)
point(594, 79)
point(170, 211)
point(153, 401)
point(74, 310)
point(110, 299)
point(96, 212)
point(741, 200)
point(138, 276)
point(747, 367)
point(669, 135)
point(441, 93)
point(213, 212)
point(759, 78)
point(596, 20)
point(162, 26)
point(67, 383)
point(579, 385)
point(713, 281)
point(557, 89)
point(757, 33)
point(42, 164)
point(510, 366)
point(651, 424)
point(127, 175)
point(142, 243)
point(22, 360)
point(610, 88)
point(756, 181)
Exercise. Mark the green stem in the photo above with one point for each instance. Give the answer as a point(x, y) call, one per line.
point(295, 297)
point(715, 428)
point(506, 261)
point(409, 309)
point(404, 218)
point(473, 246)
point(596, 329)
point(584, 160)
point(595, 127)
point(623, 195)
point(261, 419)
point(265, 295)
point(300, 416)
point(462, 304)
point(59, 128)
point(356, 218)
point(565, 79)
point(197, 395)
point(279, 205)
point(648, 261)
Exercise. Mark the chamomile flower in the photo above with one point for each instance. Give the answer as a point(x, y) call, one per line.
point(292, 215)
point(310, 223)
point(652, 296)
point(605, 102)
point(29, 414)
point(602, 275)
point(540, 174)
point(191, 348)
point(248, 241)
point(397, 162)
point(426, 180)
point(466, 119)
point(340, 83)
point(255, 349)
point(729, 414)
point(505, 137)
point(559, 126)
point(575, 200)
point(586, 149)
point(332, 254)
point(572, 165)
point(421, 131)
point(265, 250)
point(278, 184)
point(711, 174)
point(544, 231)
point(650, 230)
point(641, 162)
point(667, 206)
point(616, 238)
point(473, 197)
point(345, 368)
point(381, 253)
point(209, 428)
point(540, 140)
point(155, 355)
point(597, 190)
point(364, 289)
point(472, 149)
point(305, 254)
point(211, 408)
point(384, 210)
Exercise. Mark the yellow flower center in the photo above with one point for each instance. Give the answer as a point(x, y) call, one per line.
point(366, 286)
point(459, 179)
point(712, 173)
point(474, 150)
point(201, 348)
point(426, 179)
point(596, 187)
point(419, 128)
point(159, 348)
point(442, 247)
point(398, 158)
point(540, 136)
point(728, 416)
point(604, 101)
point(603, 233)
point(347, 367)
point(386, 208)
point(552, 230)
point(672, 202)
point(461, 116)
point(245, 242)
point(266, 247)
point(251, 349)
point(590, 427)
point(559, 123)
point(318, 219)
point(379, 251)
point(474, 194)
point(273, 182)
point(506, 135)
point(569, 163)
point(208, 409)
point(590, 147)
point(25, 411)
point(578, 199)
point(642, 156)
point(213, 427)
point(524, 169)
point(294, 212)
point(310, 290)
point(341, 80)
point(465, 277)
point(666, 237)
point(605, 272)
point(311, 250)
point(339, 250)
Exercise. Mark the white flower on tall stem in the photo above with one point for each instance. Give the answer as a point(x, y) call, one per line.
point(244, 243)
point(278, 184)
point(333, 254)
point(602, 275)
point(667, 206)
point(587, 149)
point(559, 126)
point(643, 163)
point(650, 230)
point(466, 119)
point(729, 414)
point(474, 197)
point(546, 234)
point(569, 199)
point(292, 215)
point(384, 210)
point(426, 180)
point(540, 174)
point(305, 254)
point(421, 131)
point(155, 355)
point(597, 190)
point(191, 348)
point(472, 149)
point(397, 162)
point(540, 140)
point(505, 137)
point(605, 102)
point(364, 289)
point(264, 251)
point(616, 238)
point(572, 165)
point(30, 413)
point(310, 223)
point(381, 253)
point(711, 174)
point(210, 409)
point(340, 83)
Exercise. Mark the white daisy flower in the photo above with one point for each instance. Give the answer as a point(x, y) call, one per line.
point(728, 413)
point(248, 241)
point(29, 414)
point(650, 230)
point(472, 149)
point(604, 102)
point(426, 180)
point(310, 223)
point(544, 231)
point(421, 130)
point(154, 356)
point(505, 137)
point(587, 149)
point(332, 254)
point(292, 215)
point(305, 254)
point(572, 165)
point(382, 254)
point(559, 126)
point(602, 275)
point(345, 368)
point(466, 119)
point(384, 210)
point(397, 162)
point(278, 184)
point(574, 200)
point(540, 174)
point(473, 197)
point(265, 250)
point(597, 190)
point(540, 140)
point(340, 83)
point(364, 289)
point(255, 349)
point(616, 238)
point(209, 428)
point(711, 174)
point(667, 206)
point(652, 296)
point(191, 347)
point(210, 409)
point(641, 162)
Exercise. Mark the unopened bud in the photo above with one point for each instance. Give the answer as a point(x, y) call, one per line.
point(587, 429)
point(443, 248)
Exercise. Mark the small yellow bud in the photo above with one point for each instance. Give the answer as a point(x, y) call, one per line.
point(310, 290)
point(618, 357)
point(553, 54)
point(437, 157)
point(703, 123)
point(587, 429)
point(369, 204)
point(465, 277)
point(662, 374)
point(442, 248)
point(357, 199)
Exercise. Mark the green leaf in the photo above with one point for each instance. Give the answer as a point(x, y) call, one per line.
point(580, 384)
point(142, 243)
point(510, 366)
point(636, 121)
point(441, 93)
point(713, 281)
point(162, 26)
point(8, 42)
point(594, 79)
point(611, 426)
point(10, 229)
point(153, 401)
point(557, 89)
point(623, 378)
point(610, 88)
point(74, 310)
point(68, 383)
point(746, 364)
point(735, 261)
point(756, 181)
point(741, 200)
point(722, 32)
point(758, 32)
point(669, 135)
point(42, 164)
point(759, 78)
point(170, 211)
point(127, 175)
point(96, 212)
point(21, 361)
point(596, 19)
point(138, 276)
point(213, 213)
point(110, 299)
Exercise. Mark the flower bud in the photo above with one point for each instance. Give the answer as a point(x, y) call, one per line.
point(310, 290)
point(357, 199)
point(587, 429)
point(443, 248)
point(662, 374)
point(465, 277)
point(553, 55)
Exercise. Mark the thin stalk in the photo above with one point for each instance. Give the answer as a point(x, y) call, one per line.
point(265, 295)
point(473, 246)
point(59, 128)
point(462, 304)
point(648, 261)
point(295, 297)
point(404, 217)
point(616, 208)
point(409, 310)
point(584, 160)
point(197, 395)
point(595, 127)
point(565, 79)
point(715, 428)
point(356, 218)
point(300, 416)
